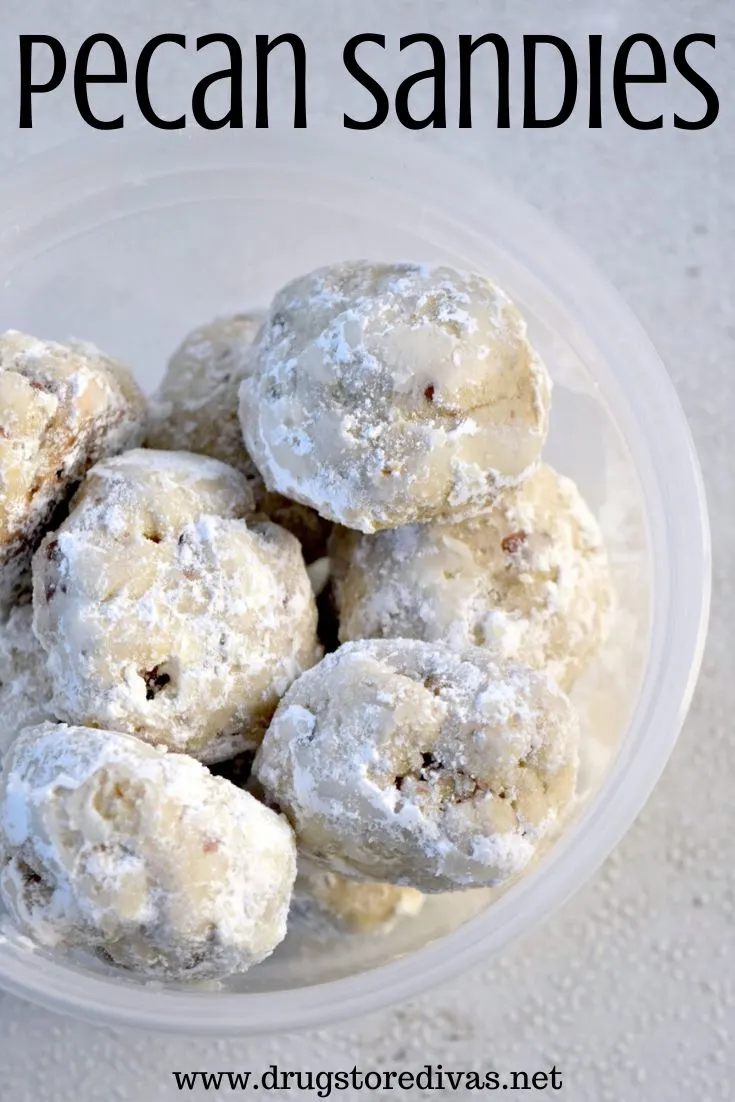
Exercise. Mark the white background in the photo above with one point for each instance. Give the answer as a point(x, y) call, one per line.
point(630, 989)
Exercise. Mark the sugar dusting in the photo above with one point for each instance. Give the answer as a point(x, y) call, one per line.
point(62, 407)
point(529, 580)
point(195, 647)
point(117, 847)
point(25, 684)
point(406, 762)
point(196, 409)
point(369, 400)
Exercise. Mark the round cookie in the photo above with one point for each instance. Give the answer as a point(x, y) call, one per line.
point(110, 845)
point(409, 763)
point(25, 684)
point(387, 394)
point(330, 905)
point(529, 580)
point(62, 407)
point(196, 409)
point(195, 406)
point(166, 614)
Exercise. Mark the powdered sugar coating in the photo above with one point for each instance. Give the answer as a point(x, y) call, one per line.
point(25, 683)
point(195, 406)
point(330, 905)
point(114, 846)
point(409, 763)
point(386, 394)
point(165, 613)
point(62, 407)
point(196, 409)
point(529, 580)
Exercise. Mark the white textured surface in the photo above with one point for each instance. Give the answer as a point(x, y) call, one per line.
point(630, 989)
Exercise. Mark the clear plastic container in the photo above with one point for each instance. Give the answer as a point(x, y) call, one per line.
point(129, 242)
